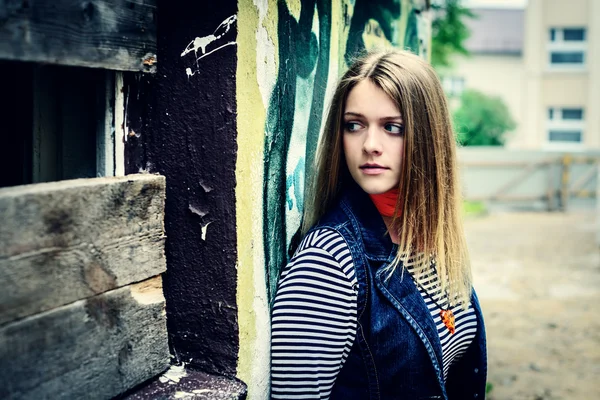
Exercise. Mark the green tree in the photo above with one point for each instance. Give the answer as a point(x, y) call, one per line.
point(448, 31)
point(482, 120)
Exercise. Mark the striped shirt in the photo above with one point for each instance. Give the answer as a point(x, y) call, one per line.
point(453, 345)
point(314, 318)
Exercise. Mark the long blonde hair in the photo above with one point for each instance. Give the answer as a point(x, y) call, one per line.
point(429, 187)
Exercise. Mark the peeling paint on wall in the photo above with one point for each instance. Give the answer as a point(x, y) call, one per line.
point(194, 145)
point(257, 64)
point(202, 43)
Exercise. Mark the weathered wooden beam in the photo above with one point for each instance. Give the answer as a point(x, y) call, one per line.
point(69, 240)
point(95, 348)
point(112, 34)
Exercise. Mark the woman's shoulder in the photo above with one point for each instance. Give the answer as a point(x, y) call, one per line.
point(335, 217)
point(321, 237)
point(323, 249)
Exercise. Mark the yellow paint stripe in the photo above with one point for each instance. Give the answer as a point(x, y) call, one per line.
point(253, 317)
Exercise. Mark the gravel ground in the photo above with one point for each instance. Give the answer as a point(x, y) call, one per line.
point(538, 279)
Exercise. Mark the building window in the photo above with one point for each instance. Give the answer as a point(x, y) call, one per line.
point(565, 136)
point(565, 125)
point(453, 85)
point(572, 113)
point(567, 48)
point(574, 57)
point(574, 35)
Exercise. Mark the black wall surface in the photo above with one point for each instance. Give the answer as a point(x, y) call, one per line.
point(193, 143)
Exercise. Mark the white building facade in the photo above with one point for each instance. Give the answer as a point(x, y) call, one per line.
point(544, 62)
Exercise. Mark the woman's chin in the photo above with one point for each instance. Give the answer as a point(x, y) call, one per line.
point(375, 189)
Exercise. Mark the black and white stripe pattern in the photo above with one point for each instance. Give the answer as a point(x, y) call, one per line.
point(314, 318)
point(465, 323)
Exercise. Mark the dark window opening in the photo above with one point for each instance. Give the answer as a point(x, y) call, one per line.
point(574, 35)
point(51, 123)
point(572, 113)
point(565, 136)
point(566, 57)
point(17, 127)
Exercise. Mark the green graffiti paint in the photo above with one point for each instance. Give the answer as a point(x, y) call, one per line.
point(301, 56)
point(299, 95)
point(318, 100)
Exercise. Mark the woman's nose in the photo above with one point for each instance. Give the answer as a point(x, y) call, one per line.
point(372, 143)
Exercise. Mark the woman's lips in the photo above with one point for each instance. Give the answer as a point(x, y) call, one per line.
point(372, 169)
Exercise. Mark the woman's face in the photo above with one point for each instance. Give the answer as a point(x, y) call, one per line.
point(373, 138)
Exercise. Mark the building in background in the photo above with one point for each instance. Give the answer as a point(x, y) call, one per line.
point(543, 60)
point(562, 75)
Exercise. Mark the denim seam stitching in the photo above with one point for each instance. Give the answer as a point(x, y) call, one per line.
point(372, 359)
point(413, 322)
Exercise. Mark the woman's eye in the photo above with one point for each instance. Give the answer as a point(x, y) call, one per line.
point(352, 126)
point(395, 129)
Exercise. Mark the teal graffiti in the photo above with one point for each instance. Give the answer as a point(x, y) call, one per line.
point(299, 94)
point(295, 184)
point(301, 54)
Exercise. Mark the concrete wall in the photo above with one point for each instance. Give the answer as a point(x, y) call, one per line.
point(566, 12)
point(290, 54)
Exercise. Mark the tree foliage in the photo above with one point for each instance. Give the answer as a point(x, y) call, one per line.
point(482, 120)
point(448, 31)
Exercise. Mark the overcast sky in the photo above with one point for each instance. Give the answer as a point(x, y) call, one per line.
point(496, 3)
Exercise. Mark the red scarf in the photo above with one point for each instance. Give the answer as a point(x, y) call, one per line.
point(386, 202)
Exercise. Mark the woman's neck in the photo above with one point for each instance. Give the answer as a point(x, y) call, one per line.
point(391, 230)
point(387, 203)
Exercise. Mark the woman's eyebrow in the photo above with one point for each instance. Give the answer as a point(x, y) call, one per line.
point(390, 118)
point(354, 114)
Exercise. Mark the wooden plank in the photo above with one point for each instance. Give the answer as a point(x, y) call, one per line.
point(105, 138)
point(95, 348)
point(112, 34)
point(65, 241)
point(120, 125)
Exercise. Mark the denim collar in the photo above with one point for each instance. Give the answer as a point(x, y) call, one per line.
point(368, 223)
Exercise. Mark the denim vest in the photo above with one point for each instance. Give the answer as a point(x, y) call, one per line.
point(397, 352)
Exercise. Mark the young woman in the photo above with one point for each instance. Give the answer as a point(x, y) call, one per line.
point(377, 301)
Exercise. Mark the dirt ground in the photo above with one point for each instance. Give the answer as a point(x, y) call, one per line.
point(538, 279)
